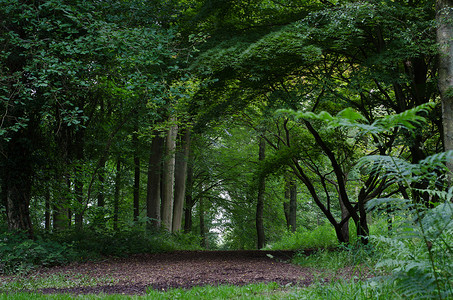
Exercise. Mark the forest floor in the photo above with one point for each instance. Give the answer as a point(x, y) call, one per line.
point(185, 269)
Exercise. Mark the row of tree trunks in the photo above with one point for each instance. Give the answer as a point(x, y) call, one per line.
point(167, 176)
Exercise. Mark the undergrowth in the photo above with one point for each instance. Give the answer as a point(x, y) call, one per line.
point(19, 254)
point(320, 237)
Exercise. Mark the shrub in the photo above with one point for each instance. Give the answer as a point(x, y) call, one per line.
point(18, 253)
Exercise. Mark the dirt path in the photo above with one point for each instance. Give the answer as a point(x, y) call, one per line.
point(135, 274)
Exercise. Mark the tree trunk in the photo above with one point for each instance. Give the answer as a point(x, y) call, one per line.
point(101, 177)
point(293, 205)
point(154, 183)
point(260, 201)
point(204, 241)
point(61, 214)
point(78, 184)
point(286, 210)
point(169, 178)
point(17, 182)
point(47, 210)
point(189, 200)
point(362, 227)
point(79, 198)
point(444, 18)
point(290, 206)
point(180, 181)
point(116, 197)
point(136, 189)
point(345, 227)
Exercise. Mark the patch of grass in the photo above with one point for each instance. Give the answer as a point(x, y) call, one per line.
point(58, 280)
point(335, 259)
point(251, 291)
point(351, 290)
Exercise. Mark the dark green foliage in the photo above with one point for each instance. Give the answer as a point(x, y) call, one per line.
point(20, 254)
point(96, 243)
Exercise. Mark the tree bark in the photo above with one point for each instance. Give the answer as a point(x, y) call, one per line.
point(180, 181)
point(444, 17)
point(290, 206)
point(78, 145)
point(189, 200)
point(136, 189)
point(116, 197)
point(47, 210)
point(204, 240)
point(345, 227)
point(61, 214)
point(293, 205)
point(260, 200)
point(169, 178)
point(17, 173)
point(153, 198)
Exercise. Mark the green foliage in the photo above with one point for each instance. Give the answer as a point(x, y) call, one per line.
point(250, 291)
point(95, 243)
point(18, 254)
point(56, 280)
point(338, 258)
point(420, 256)
point(320, 237)
point(354, 289)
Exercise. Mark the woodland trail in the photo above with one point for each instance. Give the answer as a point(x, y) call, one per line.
point(185, 269)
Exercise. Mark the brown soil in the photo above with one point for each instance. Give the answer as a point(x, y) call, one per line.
point(184, 269)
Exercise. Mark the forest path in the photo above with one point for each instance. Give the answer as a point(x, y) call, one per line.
point(185, 269)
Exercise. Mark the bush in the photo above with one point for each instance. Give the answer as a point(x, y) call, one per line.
point(130, 240)
point(18, 253)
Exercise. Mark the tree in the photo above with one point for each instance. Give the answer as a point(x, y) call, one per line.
point(260, 199)
point(444, 18)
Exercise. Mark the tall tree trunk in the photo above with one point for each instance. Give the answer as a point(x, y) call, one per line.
point(290, 206)
point(286, 210)
point(180, 180)
point(61, 213)
point(204, 240)
point(78, 184)
point(293, 205)
point(344, 215)
point(189, 200)
point(101, 177)
point(136, 191)
point(260, 200)
point(116, 197)
point(154, 183)
point(444, 18)
point(17, 177)
point(169, 178)
point(362, 229)
point(47, 209)
point(79, 198)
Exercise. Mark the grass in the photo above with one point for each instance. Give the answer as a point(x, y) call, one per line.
point(357, 290)
point(58, 280)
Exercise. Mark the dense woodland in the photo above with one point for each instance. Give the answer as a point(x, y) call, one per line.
point(229, 123)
